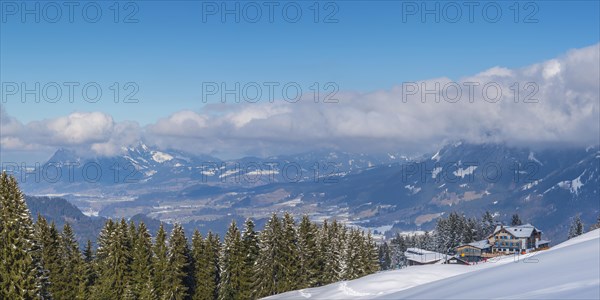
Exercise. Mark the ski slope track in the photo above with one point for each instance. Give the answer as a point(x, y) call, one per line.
point(570, 270)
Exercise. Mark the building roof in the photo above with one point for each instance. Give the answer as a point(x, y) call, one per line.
point(459, 259)
point(422, 256)
point(483, 244)
point(521, 231)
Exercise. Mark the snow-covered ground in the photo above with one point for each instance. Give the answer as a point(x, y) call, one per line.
point(570, 270)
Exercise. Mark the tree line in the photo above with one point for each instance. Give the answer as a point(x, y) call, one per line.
point(39, 261)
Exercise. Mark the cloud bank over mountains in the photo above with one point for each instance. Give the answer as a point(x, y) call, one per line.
point(552, 102)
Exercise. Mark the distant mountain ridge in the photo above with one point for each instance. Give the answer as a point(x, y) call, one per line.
point(143, 166)
point(385, 193)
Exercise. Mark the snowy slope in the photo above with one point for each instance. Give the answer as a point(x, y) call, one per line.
point(568, 271)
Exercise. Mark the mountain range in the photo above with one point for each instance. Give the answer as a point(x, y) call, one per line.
point(386, 193)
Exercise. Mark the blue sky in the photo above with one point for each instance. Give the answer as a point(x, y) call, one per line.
point(170, 51)
point(367, 49)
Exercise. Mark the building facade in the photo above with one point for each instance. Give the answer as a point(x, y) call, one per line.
point(512, 239)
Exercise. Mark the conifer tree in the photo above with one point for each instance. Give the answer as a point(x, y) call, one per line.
point(290, 253)
point(576, 228)
point(469, 233)
point(197, 254)
point(333, 254)
point(102, 286)
point(324, 248)
point(20, 268)
point(87, 273)
point(488, 224)
point(141, 265)
point(160, 262)
point(122, 258)
point(179, 274)
point(48, 256)
point(67, 281)
point(355, 262)
point(399, 246)
point(307, 253)
point(371, 262)
point(132, 233)
point(207, 269)
point(385, 260)
point(251, 252)
point(232, 264)
point(114, 261)
point(269, 268)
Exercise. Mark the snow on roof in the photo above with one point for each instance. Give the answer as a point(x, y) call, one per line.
point(520, 231)
point(422, 256)
point(483, 244)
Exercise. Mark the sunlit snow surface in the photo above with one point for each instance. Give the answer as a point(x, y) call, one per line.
point(570, 270)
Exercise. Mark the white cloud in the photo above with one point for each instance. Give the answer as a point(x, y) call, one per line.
point(83, 131)
point(566, 112)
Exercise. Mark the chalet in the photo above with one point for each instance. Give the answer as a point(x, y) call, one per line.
point(474, 252)
point(521, 238)
point(504, 240)
point(416, 257)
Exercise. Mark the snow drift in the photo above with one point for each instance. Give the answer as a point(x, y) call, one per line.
point(570, 270)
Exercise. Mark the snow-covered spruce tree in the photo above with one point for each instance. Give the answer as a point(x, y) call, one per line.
point(341, 242)
point(322, 247)
point(385, 260)
point(333, 255)
point(269, 267)
point(101, 287)
point(197, 252)
point(476, 226)
point(48, 256)
point(251, 252)
point(290, 252)
point(213, 247)
point(488, 224)
point(141, 265)
point(179, 271)
point(160, 262)
point(442, 235)
point(576, 228)
point(122, 258)
point(450, 232)
point(114, 261)
point(20, 268)
point(458, 223)
point(354, 262)
point(369, 261)
point(67, 283)
point(425, 241)
point(232, 264)
point(469, 233)
point(308, 253)
point(398, 246)
point(52, 257)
